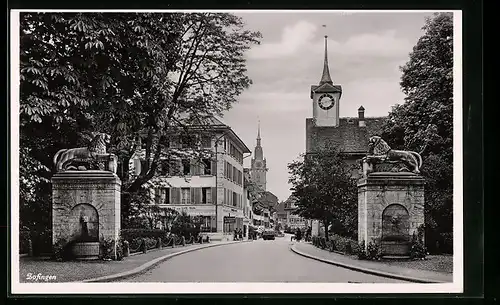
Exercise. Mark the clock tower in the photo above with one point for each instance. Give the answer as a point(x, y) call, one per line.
point(326, 97)
point(258, 167)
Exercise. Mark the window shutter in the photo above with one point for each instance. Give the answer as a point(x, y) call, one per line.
point(214, 195)
point(157, 196)
point(213, 169)
point(193, 201)
point(209, 195)
point(197, 195)
point(176, 195)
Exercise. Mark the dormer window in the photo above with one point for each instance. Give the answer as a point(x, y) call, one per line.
point(350, 121)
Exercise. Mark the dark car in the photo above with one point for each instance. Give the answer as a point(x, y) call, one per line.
point(268, 234)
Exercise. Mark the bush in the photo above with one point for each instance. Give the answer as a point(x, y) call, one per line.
point(322, 242)
point(373, 250)
point(418, 250)
point(331, 246)
point(106, 248)
point(132, 234)
point(362, 251)
point(344, 244)
point(61, 250)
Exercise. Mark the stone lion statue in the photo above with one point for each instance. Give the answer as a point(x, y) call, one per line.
point(380, 151)
point(66, 159)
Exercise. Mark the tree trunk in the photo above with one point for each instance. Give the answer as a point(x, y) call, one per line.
point(326, 223)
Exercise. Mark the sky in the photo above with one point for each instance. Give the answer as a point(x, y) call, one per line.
point(365, 51)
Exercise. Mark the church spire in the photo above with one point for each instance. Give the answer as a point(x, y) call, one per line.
point(259, 154)
point(325, 78)
point(258, 134)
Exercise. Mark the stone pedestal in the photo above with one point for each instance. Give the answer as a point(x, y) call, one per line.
point(390, 210)
point(85, 210)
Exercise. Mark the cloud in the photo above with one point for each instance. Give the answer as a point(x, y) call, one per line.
point(293, 39)
point(381, 44)
point(275, 102)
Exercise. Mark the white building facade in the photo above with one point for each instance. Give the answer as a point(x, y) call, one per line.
point(211, 188)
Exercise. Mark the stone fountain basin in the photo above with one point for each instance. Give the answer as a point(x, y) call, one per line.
point(86, 250)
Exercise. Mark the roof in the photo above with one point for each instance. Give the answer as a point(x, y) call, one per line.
point(211, 123)
point(280, 207)
point(348, 136)
point(289, 203)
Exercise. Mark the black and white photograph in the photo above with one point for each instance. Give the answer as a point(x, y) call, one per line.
point(231, 151)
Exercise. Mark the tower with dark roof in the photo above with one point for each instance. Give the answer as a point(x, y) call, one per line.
point(258, 165)
point(326, 97)
point(349, 134)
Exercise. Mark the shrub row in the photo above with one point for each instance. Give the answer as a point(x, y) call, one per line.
point(372, 251)
point(132, 234)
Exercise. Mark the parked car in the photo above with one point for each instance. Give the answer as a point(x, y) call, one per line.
point(268, 234)
point(279, 234)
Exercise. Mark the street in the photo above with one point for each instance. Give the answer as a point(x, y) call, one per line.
point(257, 261)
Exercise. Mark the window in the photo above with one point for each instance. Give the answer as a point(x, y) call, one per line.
point(185, 195)
point(162, 196)
point(206, 142)
point(207, 224)
point(186, 167)
point(206, 195)
point(207, 166)
point(235, 198)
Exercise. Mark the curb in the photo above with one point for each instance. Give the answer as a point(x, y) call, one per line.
point(365, 270)
point(154, 262)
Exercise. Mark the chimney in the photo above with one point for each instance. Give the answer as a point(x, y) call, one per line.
point(361, 117)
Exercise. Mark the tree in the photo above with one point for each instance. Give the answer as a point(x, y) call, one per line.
point(425, 120)
point(324, 189)
point(127, 74)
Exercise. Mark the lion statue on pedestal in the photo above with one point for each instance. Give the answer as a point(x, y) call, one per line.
point(68, 159)
point(380, 151)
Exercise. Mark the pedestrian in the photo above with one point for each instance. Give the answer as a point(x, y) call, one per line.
point(298, 235)
point(241, 234)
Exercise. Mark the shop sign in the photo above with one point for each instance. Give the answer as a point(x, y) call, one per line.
point(208, 210)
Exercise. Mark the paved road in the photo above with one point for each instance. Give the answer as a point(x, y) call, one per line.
point(257, 261)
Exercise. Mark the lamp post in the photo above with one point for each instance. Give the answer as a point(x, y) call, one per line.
point(216, 179)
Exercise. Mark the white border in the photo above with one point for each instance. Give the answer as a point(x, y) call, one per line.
point(248, 288)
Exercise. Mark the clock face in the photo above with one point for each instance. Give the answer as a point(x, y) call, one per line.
point(258, 164)
point(326, 101)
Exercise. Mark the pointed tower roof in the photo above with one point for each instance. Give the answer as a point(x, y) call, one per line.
point(258, 133)
point(259, 154)
point(326, 78)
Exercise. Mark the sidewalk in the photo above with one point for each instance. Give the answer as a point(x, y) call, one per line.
point(77, 271)
point(372, 267)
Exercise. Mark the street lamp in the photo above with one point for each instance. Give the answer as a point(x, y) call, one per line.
point(216, 179)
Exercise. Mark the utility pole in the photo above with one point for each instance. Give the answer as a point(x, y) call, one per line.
point(216, 180)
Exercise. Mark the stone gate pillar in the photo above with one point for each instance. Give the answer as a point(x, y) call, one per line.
point(85, 210)
point(390, 210)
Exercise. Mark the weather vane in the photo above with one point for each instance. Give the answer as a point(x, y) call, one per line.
point(324, 27)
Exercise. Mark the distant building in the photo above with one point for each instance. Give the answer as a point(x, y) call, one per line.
point(258, 170)
point(286, 218)
point(211, 188)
